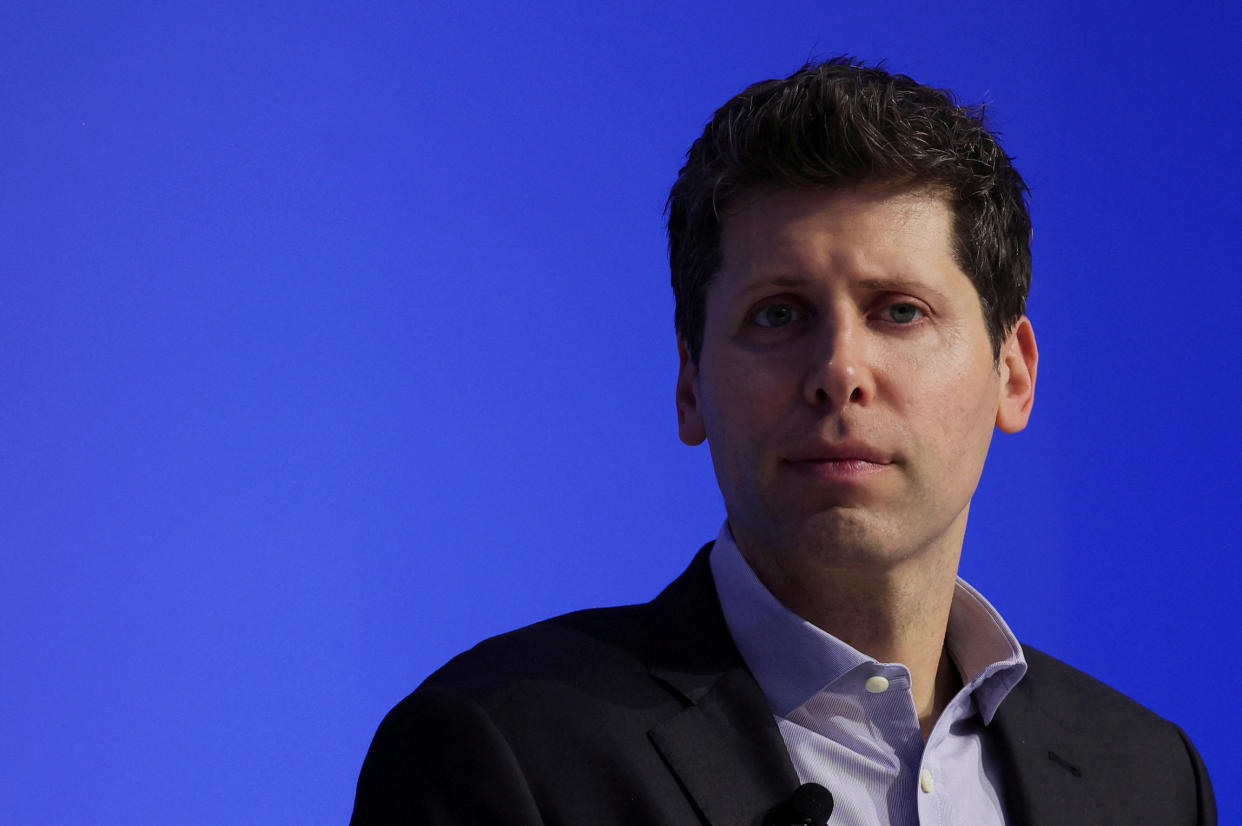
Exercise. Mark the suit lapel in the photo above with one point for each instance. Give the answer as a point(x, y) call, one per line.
point(1041, 759)
point(723, 745)
point(730, 759)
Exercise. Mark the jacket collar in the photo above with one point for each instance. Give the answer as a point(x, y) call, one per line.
point(1042, 757)
point(726, 751)
point(723, 746)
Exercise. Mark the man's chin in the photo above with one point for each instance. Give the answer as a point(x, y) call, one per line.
point(842, 537)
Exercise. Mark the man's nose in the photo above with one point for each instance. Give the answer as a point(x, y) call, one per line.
point(839, 372)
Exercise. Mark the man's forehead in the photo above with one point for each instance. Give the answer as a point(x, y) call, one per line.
point(790, 234)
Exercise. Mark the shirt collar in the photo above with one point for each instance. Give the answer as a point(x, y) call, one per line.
point(793, 660)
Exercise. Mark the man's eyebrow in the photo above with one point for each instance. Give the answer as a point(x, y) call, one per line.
point(897, 285)
point(913, 286)
point(778, 281)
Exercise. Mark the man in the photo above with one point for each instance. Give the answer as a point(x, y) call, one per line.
point(850, 258)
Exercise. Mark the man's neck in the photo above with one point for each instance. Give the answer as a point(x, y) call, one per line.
point(895, 613)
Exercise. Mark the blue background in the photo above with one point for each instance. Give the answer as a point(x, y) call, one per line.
point(334, 338)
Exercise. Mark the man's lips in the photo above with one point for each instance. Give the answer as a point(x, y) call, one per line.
point(841, 452)
point(839, 462)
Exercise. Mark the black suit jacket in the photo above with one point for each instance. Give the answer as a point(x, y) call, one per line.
point(646, 714)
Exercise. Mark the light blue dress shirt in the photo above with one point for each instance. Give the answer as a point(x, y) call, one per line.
point(850, 722)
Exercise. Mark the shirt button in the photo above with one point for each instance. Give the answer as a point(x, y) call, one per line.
point(925, 781)
point(877, 684)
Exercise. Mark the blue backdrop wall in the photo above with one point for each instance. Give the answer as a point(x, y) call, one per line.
point(334, 338)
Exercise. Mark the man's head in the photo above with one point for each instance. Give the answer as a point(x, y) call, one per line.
point(833, 238)
point(838, 124)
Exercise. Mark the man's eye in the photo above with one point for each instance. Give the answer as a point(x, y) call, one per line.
point(776, 315)
point(903, 313)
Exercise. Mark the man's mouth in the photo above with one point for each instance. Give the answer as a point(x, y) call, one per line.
point(841, 461)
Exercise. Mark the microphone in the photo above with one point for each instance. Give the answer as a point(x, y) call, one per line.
point(809, 805)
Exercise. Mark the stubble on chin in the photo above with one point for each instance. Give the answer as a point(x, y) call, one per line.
point(832, 539)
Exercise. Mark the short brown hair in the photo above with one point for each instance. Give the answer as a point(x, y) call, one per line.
point(839, 123)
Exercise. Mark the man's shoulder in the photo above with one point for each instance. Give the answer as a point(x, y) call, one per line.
point(578, 648)
point(579, 717)
point(575, 687)
point(594, 664)
point(1075, 743)
point(1079, 700)
point(592, 649)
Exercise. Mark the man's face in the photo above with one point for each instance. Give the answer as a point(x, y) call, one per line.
point(846, 384)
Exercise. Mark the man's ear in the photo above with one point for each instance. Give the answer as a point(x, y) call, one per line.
point(1018, 365)
point(689, 417)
